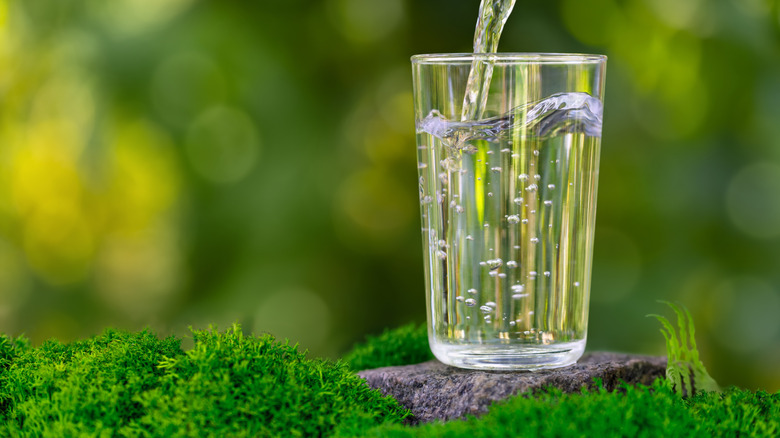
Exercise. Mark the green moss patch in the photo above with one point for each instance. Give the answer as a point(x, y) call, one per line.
point(228, 384)
point(640, 411)
point(125, 384)
point(402, 346)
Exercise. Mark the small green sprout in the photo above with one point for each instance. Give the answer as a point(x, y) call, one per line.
point(685, 372)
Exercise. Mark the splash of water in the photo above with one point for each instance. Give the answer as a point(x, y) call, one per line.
point(554, 115)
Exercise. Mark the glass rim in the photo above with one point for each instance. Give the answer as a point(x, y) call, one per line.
point(509, 58)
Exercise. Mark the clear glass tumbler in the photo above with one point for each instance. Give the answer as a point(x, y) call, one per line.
point(508, 203)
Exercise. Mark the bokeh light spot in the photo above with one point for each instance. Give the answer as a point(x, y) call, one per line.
point(222, 145)
point(752, 201)
point(144, 179)
point(59, 242)
point(675, 13)
point(139, 276)
point(363, 21)
point(373, 201)
point(134, 16)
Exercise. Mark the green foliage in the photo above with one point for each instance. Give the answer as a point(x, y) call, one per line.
point(402, 346)
point(134, 384)
point(633, 412)
point(684, 370)
point(138, 385)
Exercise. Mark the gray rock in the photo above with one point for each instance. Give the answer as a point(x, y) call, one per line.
point(432, 390)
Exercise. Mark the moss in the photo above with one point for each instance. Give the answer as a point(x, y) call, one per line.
point(633, 412)
point(128, 384)
point(228, 384)
point(402, 346)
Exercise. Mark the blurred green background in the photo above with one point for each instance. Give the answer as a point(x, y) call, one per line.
point(179, 162)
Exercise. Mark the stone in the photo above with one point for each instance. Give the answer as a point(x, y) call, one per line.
point(434, 391)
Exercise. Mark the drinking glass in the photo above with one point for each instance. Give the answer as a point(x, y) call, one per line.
point(508, 204)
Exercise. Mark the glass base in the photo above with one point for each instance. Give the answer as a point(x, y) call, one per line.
point(502, 357)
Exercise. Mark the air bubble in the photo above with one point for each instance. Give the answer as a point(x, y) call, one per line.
point(471, 302)
point(427, 200)
point(444, 178)
point(442, 243)
point(519, 296)
point(518, 201)
point(513, 219)
point(532, 212)
point(486, 309)
point(441, 254)
point(536, 153)
point(547, 273)
point(490, 194)
point(449, 163)
point(459, 298)
point(491, 304)
point(576, 284)
point(530, 312)
point(493, 273)
point(534, 240)
point(469, 237)
point(517, 288)
point(525, 221)
point(495, 169)
point(523, 176)
point(511, 264)
point(537, 177)
point(494, 263)
point(459, 209)
point(472, 291)
point(512, 323)
point(422, 165)
point(489, 152)
point(531, 188)
point(548, 203)
point(502, 275)
point(532, 273)
point(506, 150)
point(551, 186)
